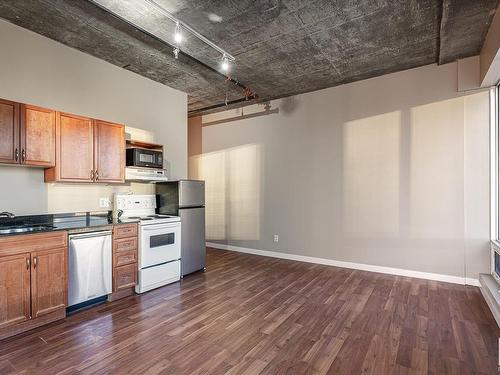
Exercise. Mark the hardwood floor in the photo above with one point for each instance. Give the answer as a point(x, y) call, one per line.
point(251, 315)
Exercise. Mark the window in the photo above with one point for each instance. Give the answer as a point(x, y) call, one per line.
point(495, 162)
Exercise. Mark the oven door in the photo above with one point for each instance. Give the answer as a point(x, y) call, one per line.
point(160, 243)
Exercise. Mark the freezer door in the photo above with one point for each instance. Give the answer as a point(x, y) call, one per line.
point(191, 193)
point(193, 254)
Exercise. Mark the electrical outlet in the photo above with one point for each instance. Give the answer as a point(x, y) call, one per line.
point(276, 238)
point(104, 203)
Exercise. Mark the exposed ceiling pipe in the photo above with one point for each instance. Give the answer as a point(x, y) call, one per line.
point(267, 111)
point(220, 105)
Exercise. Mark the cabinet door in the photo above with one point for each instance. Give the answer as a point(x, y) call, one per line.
point(9, 132)
point(14, 289)
point(38, 136)
point(75, 148)
point(109, 152)
point(48, 281)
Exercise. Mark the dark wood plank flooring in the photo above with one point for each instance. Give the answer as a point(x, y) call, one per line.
point(257, 315)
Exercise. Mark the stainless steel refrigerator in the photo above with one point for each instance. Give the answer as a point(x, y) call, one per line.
point(186, 198)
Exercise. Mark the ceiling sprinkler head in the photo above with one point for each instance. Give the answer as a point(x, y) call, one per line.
point(176, 52)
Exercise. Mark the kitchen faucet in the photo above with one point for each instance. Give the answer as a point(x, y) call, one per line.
point(7, 214)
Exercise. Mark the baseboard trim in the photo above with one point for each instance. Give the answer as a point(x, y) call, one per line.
point(350, 265)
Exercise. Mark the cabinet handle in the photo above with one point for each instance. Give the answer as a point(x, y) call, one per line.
point(28, 263)
point(23, 155)
point(96, 175)
point(35, 262)
point(92, 175)
point(17, 154)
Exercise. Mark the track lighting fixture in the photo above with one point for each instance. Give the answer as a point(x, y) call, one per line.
point(224, 63)
point(178, 33)
point(177, 39)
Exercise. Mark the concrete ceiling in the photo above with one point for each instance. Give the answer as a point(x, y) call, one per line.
point(282, 47)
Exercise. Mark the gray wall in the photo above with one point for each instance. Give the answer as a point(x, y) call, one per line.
point(391, 171)
point(37, 70)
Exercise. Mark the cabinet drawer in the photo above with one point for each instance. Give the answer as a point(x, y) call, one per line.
point(21, 243)
point(124, 231)
point(124, 257)
point(124, 277)
point(124, 244)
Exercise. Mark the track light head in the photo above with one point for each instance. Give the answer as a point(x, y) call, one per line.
point(178, 33)
point(224, 63)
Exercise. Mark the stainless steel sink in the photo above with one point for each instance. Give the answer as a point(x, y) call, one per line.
point(23, 229)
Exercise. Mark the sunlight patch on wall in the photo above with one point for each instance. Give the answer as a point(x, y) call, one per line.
point(233, 195)
point(371, 152)
point(213, 171)
point(244, 192)
point(436, 171)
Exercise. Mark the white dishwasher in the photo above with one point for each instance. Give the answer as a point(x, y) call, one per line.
point(90, 268)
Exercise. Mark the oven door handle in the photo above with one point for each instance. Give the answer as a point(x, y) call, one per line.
point(160, 227)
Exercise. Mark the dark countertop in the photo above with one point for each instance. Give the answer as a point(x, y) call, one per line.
point(56, 222)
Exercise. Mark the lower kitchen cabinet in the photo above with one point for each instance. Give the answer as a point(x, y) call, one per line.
point(15, 292)
point(33, 276)
point(125, 277)
point(48, 281)
point(124, 260)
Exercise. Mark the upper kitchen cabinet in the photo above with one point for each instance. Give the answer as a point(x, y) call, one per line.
point(109, 152)
point(27, 134)
point(38, 136)
point(9, 132)
point(74, 150)
point(87, 150)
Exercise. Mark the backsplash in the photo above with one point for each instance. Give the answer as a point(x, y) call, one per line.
point(62, 198)
point(24, 192)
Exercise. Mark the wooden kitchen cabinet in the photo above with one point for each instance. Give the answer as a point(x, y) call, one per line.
point(27, 134)
point(125, 277)
point(74, 149)
point(48, 281)
point(9, 132)
point(38, 136)
point(125, 245)
point(88, 150)
point(15, 289)
point(33, 281)
point(109, 152)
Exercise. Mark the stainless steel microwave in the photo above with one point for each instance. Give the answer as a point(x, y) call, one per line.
point(140, 157)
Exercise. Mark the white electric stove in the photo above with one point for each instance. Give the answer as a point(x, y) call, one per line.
point(159, 240)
